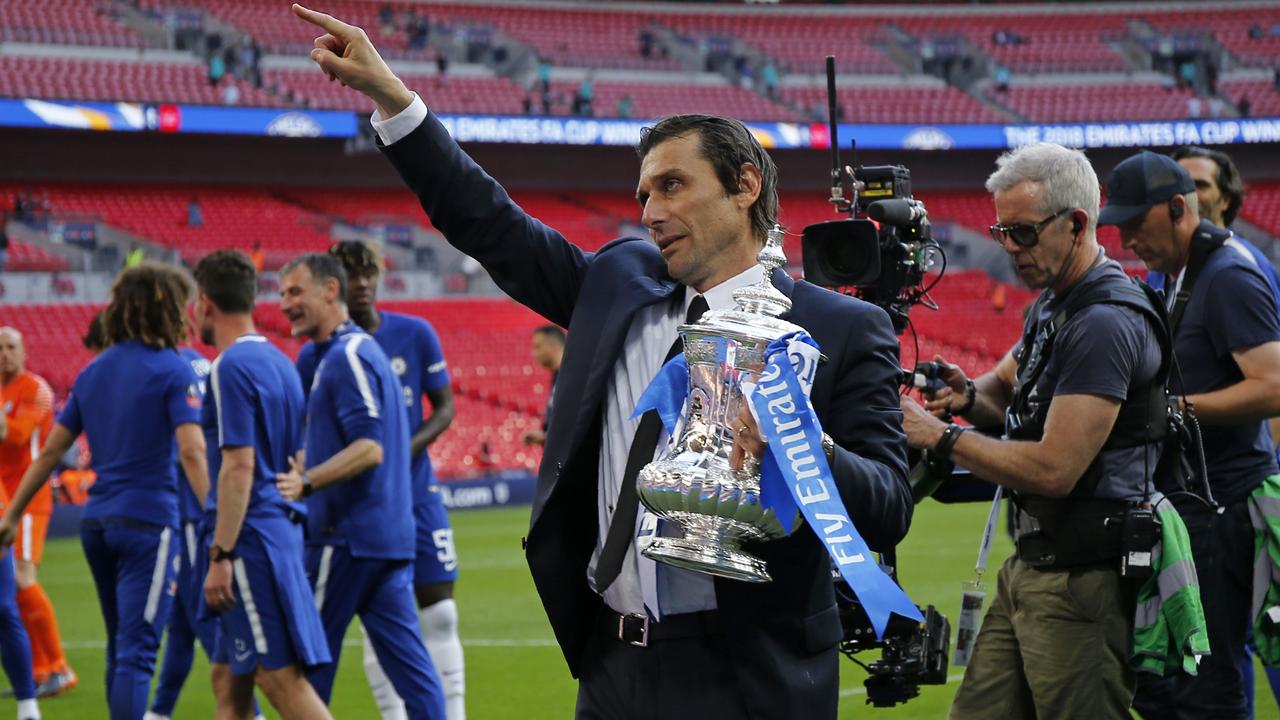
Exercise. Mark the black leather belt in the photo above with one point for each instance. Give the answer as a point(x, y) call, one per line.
point(638, 630)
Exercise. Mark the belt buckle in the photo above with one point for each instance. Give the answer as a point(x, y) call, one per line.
point(629, 624)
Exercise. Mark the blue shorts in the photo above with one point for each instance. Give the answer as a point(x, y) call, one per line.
point(191, 576)
point(435, 560)
point(274, 622)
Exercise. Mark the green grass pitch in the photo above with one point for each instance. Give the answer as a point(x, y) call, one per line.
point(514, 669)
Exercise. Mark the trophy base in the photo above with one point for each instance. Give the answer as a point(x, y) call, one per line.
point(732, 564)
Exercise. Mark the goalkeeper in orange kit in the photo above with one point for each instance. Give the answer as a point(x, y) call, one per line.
point(26, 418)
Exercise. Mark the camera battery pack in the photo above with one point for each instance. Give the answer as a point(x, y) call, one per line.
point(1137, 542)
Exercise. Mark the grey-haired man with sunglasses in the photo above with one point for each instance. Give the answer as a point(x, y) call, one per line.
point(1073, 455)
point(1226, 340)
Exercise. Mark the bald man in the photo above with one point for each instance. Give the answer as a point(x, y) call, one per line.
point(27, 404)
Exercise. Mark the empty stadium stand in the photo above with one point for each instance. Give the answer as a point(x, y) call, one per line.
point(898, 105)
point(1084, 103)
point(1249, 34)
point(1264, 98)
point(63, 22)
point(1057, 41)
point(89, 79)
point(798, 42)
point(449, 95)
point(1035, 42)
point(31, 258)
point(595, 37)
point(655, 100)
point(1262, 206)
point(233, 217)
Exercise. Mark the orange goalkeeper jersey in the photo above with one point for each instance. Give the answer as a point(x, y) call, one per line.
point(27, 405)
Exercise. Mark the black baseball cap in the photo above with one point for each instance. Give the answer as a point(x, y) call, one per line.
point(1141, 181)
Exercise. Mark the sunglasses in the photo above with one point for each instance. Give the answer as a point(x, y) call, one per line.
point(1023, 235)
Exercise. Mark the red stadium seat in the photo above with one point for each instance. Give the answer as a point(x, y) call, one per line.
point(1086, 103)
point(104, 80)
point(232, 217)
point(63, 22)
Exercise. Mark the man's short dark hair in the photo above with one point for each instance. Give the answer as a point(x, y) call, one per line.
point(228, 279)
point(357, 257)
point(1229, 182)
point(726, 144)
point(322, 267)
point(553, 332)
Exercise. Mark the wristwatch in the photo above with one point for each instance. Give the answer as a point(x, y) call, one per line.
point(217, 553)
point(307, 487)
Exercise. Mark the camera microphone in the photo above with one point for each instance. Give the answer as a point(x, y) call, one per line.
point(896, 211)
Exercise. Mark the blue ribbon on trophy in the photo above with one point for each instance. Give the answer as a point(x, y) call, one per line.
point(790, 427)
point(666, 393)
point(794, 474)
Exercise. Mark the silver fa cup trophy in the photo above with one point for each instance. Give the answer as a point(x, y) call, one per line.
point(691, 484)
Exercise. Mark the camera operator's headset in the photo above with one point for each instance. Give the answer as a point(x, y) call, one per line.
point(1176, 212)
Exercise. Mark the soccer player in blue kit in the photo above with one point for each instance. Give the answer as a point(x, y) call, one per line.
point(184, 628)
point(417, 359)
point(132, 401)
point(357, 484)
point(268, 627)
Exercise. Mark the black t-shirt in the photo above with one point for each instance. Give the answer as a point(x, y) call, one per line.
point(1104, 350)
point(1231, 308)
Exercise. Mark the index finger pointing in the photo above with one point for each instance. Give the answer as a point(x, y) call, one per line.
point(333, 25)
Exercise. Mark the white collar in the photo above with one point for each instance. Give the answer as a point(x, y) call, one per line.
point(720, 297)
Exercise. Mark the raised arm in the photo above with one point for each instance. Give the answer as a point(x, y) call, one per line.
point(532, 263)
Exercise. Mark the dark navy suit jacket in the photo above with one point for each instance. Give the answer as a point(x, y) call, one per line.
point(783, 634)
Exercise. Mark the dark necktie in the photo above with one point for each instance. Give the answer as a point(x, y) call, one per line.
point(623, 526)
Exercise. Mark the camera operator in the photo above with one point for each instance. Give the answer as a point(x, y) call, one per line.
point(1220, 194)
point(1227, 345)
point(1074, 395)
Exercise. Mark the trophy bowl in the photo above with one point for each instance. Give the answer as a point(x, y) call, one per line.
point(691, 484)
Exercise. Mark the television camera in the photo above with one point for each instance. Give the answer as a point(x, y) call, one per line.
point(883, 251)
point(886, 247)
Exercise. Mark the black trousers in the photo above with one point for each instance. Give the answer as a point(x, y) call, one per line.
point(673, 678)
point(1222, 546)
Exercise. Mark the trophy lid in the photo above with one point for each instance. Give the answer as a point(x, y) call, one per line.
point(762, 298)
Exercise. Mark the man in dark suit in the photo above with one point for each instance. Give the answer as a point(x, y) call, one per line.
point(644, 639)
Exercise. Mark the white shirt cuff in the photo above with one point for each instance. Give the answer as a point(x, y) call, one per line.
point(394, 129)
